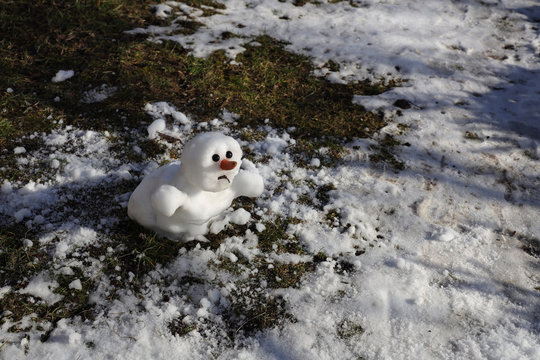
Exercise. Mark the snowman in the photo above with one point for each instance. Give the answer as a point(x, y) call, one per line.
point(180, 199)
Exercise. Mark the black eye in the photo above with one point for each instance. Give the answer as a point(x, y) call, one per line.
point(215, 157)
point(228, 154)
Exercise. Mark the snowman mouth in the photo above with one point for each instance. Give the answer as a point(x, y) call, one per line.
point(224, 177)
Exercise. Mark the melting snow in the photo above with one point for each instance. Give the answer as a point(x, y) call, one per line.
point(98, 94)
point(42, 287)
point(62, 75)
point(435, 266)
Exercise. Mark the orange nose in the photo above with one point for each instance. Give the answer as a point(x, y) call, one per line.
point(227, 164)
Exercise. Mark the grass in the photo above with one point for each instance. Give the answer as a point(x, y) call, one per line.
point(275, 238)
point(68, 35)
point(328, 150)
point(87, 37)
point(271, 82)
point(253, 308)
point(256, 312)
point(17, 261)
point(277, 85)
point(19, 264)
point(136, 252)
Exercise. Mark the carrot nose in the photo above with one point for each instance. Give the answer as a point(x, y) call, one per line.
point(227, 164)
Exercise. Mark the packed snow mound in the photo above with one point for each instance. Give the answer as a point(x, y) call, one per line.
point(62, 75)
point(182, 198)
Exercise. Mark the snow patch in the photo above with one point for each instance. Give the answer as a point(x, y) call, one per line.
point(62, 75)
point(75, 285)
point(42, 287)
point(156, 127)
point(162, 10)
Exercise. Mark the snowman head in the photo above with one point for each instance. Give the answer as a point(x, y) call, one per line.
point(211, 160)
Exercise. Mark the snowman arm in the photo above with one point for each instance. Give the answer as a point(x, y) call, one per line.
point(248, 183)
point(167, 199)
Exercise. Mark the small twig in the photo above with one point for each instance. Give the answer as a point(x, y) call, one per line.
point(120, 336)
point(248, 320)
point(3, 345)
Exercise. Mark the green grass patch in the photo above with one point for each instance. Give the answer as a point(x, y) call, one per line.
point(280, 275)
point(253, 308)
point(138, 252)
point(22, 114)
point(402, 128)
point(134, 255)
point(330, 151)
point(274, 84)
point(332, 217)
point(17, 261)
point(323, 193)
point(64, 35)
point(88, 37)
point(256, 312)
point(6, 129)
point(16, 306)
point(275, 238)
point(25, 167)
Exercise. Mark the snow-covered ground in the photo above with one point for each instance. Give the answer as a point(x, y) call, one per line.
point(434, 254)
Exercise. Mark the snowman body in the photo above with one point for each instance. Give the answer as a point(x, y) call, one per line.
point(180, 199)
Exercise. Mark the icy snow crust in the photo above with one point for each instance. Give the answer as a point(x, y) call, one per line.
point(441, 273)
